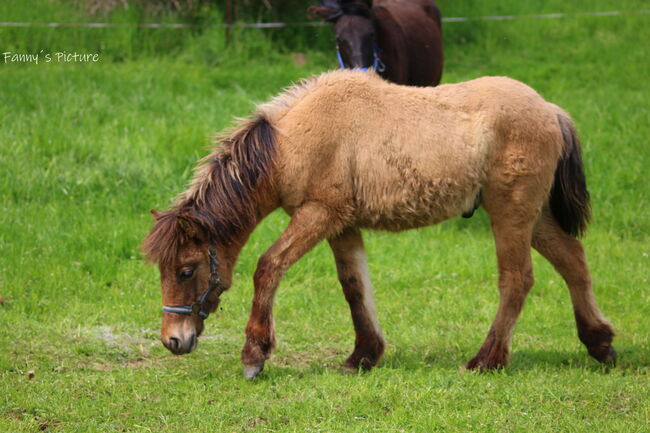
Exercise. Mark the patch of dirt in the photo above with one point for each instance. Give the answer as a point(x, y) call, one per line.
point(253, 424)
point(324, 356)
point(300, 59)
point(44, 424)
point(122, 340)
point(135, 363)
point(16, 414)
point(622, 405)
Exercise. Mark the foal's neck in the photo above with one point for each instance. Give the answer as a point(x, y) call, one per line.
point(233, 189)
point(233, 215)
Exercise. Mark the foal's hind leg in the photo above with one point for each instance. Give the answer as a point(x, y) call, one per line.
point(512, 225)
point(352, 267)
point(567, 256)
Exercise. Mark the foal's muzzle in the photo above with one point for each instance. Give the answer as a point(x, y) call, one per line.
point(180, 344)
point(180, 334)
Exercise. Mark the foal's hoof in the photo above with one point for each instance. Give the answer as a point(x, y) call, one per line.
point(356, 363)
point(479, 363)
point(611, 358)
point(606, 355)
point(351, 369)
point(250, 371)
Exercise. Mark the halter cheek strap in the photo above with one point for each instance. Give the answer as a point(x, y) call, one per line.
point(377, 64)
point(199, 308)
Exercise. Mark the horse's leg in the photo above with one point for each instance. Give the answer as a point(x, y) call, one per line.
point(309, 224)
point(567, 256)
point(512, 225)
point(352, 267)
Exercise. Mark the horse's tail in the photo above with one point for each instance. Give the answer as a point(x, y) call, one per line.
point(569, 199)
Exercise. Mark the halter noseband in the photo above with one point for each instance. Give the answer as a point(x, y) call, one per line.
point(199, 307)
point(377, 65)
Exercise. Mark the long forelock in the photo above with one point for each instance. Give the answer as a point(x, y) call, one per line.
point(165, 239)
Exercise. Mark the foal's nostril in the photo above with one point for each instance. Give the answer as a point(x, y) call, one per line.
point(174, 344)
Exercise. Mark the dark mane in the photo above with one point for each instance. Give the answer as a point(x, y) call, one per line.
point(221, 197)
point(347, 7)
point(356, 7)
point(164, 239)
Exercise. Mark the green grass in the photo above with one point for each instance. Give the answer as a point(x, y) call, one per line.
point(87, 150)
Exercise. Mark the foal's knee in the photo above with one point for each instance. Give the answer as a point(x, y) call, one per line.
point(267, 273)
point(529, 281)
point(352, 289)
point(515, 282)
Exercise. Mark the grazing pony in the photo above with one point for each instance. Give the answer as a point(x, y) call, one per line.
point(346, 151)
point(401, 39)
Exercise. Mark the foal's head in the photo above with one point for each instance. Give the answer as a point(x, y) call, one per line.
point(353, 29)
point(183, 250)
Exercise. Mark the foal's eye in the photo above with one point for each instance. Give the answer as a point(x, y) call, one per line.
point(186, 273)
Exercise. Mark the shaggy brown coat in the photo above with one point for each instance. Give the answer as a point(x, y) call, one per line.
point(347, 150)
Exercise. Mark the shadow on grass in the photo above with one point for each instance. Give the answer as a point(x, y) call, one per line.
point(414, 358)
point(629, 358)
point(418, 357)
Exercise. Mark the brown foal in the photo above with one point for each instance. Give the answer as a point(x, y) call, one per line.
point(346, 151)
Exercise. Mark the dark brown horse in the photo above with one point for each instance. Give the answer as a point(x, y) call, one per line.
point(401, 39)
point(347, 151)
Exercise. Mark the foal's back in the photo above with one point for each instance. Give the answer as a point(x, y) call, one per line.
point(396, 157)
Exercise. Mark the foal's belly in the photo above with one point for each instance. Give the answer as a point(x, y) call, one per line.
point(419, 178)
point(407, 204)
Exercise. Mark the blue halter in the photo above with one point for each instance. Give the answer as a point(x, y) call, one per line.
point(199, 307)
point(377, 64)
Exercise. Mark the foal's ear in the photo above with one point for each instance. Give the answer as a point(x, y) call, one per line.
point(324, 13)
point(156, 214)
point(188, 226)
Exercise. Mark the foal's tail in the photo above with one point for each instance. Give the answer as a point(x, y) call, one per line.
point(569, 199)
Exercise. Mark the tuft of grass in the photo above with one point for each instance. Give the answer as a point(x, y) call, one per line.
point(87, 149)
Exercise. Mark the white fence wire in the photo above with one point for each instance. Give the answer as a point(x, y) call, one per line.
point(319, 23)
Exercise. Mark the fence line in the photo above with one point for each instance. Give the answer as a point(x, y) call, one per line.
point(319, 23)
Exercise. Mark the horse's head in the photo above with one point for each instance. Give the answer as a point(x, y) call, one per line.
point(353, 29)
point(194, 271)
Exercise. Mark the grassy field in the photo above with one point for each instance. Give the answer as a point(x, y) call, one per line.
point(87, 149)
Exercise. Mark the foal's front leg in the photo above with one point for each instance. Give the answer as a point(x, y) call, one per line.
point(352, 267)
point(309, 224)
